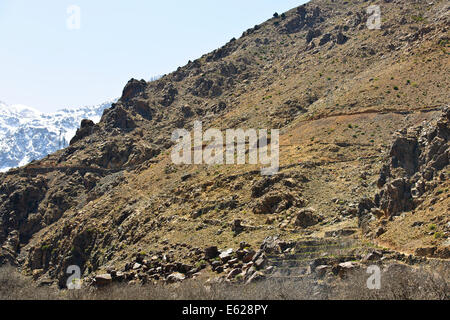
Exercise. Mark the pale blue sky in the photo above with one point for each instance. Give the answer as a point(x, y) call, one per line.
point(45, 65)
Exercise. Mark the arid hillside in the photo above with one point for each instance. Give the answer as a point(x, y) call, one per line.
point(364, 158)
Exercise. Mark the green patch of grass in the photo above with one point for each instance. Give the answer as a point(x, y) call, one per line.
point(200, 264)
point(418, 18)
point(443, 43)
point(438, 235)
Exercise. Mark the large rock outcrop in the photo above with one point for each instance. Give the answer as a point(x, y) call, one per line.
point(416, 161)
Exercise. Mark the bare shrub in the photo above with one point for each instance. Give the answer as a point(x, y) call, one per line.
point(14, 286)
point(398, 282)
point(196, 290)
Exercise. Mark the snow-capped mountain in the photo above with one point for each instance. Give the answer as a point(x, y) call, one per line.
point(27, 134)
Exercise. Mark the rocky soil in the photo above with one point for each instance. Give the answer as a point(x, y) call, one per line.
point(114, 204)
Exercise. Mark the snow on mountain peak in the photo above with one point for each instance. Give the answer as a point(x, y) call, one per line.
point(27, 134)
point(24, 111)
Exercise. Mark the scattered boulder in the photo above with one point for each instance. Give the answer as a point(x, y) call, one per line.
point(187, 111)
point(425, 251)
point(380, 231)
point(325, 39)
point(373, 256)
point(322, 270)
point(211, 252)
point(274, 202)
point(317, 262)
point(137, 266)
point(443, 252)
point(341, 38)
point(269, 245)
point(175, 277)
point(345, 232)
point(237, 226)
point(343, 269)
point(248, 256)
point(312, 34)
point(186, 177)
point(226, 255)
point(307, 218)
point(257, 276)
point(102, 280)
point(233, 273)
point(260, 262)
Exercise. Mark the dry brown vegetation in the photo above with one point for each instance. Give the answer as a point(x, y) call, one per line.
point(337, 106)
point(14, 286)
point(397, 284)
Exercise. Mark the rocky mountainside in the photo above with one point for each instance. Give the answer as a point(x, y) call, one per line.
point(114, 204)
point(27, 134)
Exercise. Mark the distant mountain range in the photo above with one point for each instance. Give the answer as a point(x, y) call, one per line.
point(363, 156)
point(27, 134)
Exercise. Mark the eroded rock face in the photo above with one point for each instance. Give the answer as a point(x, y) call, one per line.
point(206, 87)
point(139, 126)
point(417, 156)
point(222, 52)
point(118, 117)
point(170, 93)
point(142, 108)
point(306, 17)
point(18, 210)
point(396, 197)
point(86, 129)
point(133, 89)
point(405, 153)
point(35, 203)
